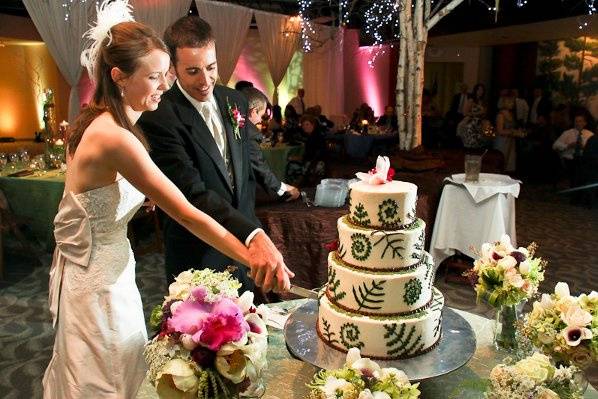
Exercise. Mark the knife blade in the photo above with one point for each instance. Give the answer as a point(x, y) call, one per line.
point(303, 292)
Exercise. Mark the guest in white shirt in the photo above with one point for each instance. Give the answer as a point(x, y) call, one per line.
point(298, 102)
point(571, 143)
point(521, 109)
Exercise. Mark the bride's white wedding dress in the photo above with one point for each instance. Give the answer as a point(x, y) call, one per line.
point(94, 300)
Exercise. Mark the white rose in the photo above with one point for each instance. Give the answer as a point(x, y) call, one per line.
point(399, 375)
point(562, 290)
point(365, 394)
point(576, 317)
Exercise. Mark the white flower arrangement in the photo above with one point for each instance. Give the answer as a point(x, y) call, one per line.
point(533, 377)
point(210, 341)
point(362, 378)
point(505, 275)
point(565, 326)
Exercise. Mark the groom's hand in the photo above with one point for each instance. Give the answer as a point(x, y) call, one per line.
point(267, 265)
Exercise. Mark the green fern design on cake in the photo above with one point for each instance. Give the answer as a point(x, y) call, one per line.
point(419, 245)
point(334, 284)
point(392, 243)
point(360, 216)
point(438, 325)
point(388, 213)
point(329, 335)
point(413, 290)
point(361, 248)
point(341, 251)
point(399, 340)
point(350, 336)
point(369, 297)
point(411, 215)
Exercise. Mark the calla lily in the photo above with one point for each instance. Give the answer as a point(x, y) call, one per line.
point(576, 317)
point(232, 366)
point(353, 355)
point(562, 290)
point(379, 175)
point(256, 324)
point(177, 380)
point(524, 268)
point(574, 335)
point(245, 301)
point(367, 367)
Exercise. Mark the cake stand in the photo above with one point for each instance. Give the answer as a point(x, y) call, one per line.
point(457, 345)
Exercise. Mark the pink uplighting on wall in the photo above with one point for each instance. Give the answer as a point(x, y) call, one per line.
point(364, 84)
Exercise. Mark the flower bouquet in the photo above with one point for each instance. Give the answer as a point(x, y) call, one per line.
point(565, 326)
point(504, 277)
point(362, 378)
point(534, 377)
point(211, 343)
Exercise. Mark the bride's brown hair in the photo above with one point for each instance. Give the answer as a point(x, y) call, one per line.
point(129, 42)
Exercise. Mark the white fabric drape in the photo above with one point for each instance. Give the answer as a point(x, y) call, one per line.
point(64, 38)
point(230, 24)
point(323, 71)
point(159, 14)
point(279, 47)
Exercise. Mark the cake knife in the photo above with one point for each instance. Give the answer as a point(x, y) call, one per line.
point(303, 292)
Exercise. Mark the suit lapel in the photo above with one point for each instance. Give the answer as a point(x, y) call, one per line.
point(234, 144)
point(199, 132)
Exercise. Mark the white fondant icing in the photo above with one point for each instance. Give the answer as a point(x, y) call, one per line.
point(344, 330)
point(371, 197)
point(389, 249)
point(387, 291)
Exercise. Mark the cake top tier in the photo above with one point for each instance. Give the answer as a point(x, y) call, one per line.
point(383, 206)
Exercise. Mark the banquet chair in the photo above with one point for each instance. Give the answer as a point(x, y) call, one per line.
point(12, 224)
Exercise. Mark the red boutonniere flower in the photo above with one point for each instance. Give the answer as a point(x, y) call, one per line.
point(237, 119)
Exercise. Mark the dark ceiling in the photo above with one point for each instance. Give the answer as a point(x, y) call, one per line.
point(469, 16)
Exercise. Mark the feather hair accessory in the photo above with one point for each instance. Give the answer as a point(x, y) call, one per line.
point(109, 13)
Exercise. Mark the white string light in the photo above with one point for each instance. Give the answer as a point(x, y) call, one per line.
point(68, 4)
point(381, 15)
point(307, 28)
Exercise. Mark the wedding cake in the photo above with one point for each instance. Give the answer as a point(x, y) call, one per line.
point(379, 295)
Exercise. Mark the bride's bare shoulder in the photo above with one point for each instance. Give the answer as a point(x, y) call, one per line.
point(103, 130)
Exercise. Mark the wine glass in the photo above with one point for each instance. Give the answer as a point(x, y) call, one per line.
point(13, 159)
point(3, 160)
point(24, 155)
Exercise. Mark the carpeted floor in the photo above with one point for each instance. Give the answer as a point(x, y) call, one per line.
point(567, 235)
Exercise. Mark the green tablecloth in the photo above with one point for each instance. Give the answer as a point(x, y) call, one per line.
point(277, 157)
point(286, 377)
point(34, 200)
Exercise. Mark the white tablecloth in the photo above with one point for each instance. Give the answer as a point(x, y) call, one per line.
point(463, 224)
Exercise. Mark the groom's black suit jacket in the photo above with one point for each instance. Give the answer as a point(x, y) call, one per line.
point(184, 149)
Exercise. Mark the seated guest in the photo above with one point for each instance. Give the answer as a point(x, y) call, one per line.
point(310, 167)
point(364, 112)
point(388, 121)
point(256, 108)
point(243, 84)
point(324, 122)
point(292, 133)
point(570, 146)
point(298, 102)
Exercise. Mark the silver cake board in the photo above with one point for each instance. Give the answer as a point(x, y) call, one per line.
point(457, 345)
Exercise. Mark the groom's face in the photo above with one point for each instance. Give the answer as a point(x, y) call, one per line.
point(197, 70)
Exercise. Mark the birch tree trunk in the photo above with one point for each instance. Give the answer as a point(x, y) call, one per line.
point(416, 18)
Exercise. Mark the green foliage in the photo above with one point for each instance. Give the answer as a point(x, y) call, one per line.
point(572, 61)
point(575, 45)
point(334, 285)
point(548, 49)
point(399, 340)
point(369, 297)
point(329, 335)
point(388, 213)
point(361, 215)
point(361, 246)
point(392, 243)
point(156, 318)
point(413, 290)
point(350, 336)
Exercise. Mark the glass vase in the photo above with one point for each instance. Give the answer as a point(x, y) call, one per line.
point(505, 327)
point(255, 390)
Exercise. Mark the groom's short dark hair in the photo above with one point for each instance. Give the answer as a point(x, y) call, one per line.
point(190, 31)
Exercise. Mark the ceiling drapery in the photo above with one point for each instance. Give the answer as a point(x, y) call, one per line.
point(159, 14)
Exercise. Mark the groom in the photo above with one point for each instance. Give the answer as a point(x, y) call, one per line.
point(198, 141)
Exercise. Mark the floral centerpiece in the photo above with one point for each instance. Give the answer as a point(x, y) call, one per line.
point(505, 276)
point(534, 377)
point(211, 343)
point(362, 378)
point(565, 326)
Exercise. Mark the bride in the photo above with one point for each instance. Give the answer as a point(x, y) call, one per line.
point(94, 300)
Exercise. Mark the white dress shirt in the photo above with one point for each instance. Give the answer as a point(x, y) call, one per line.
point(570, 137)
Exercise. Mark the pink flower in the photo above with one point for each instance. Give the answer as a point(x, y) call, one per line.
point(381, 174)
point(239, 119)
point(225, 324)
point(188, 317)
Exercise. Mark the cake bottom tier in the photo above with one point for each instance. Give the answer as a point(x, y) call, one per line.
point(383, 338)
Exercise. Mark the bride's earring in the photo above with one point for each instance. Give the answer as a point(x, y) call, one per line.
point(122, 92)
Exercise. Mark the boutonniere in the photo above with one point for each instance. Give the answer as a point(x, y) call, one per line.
point(236, 118)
